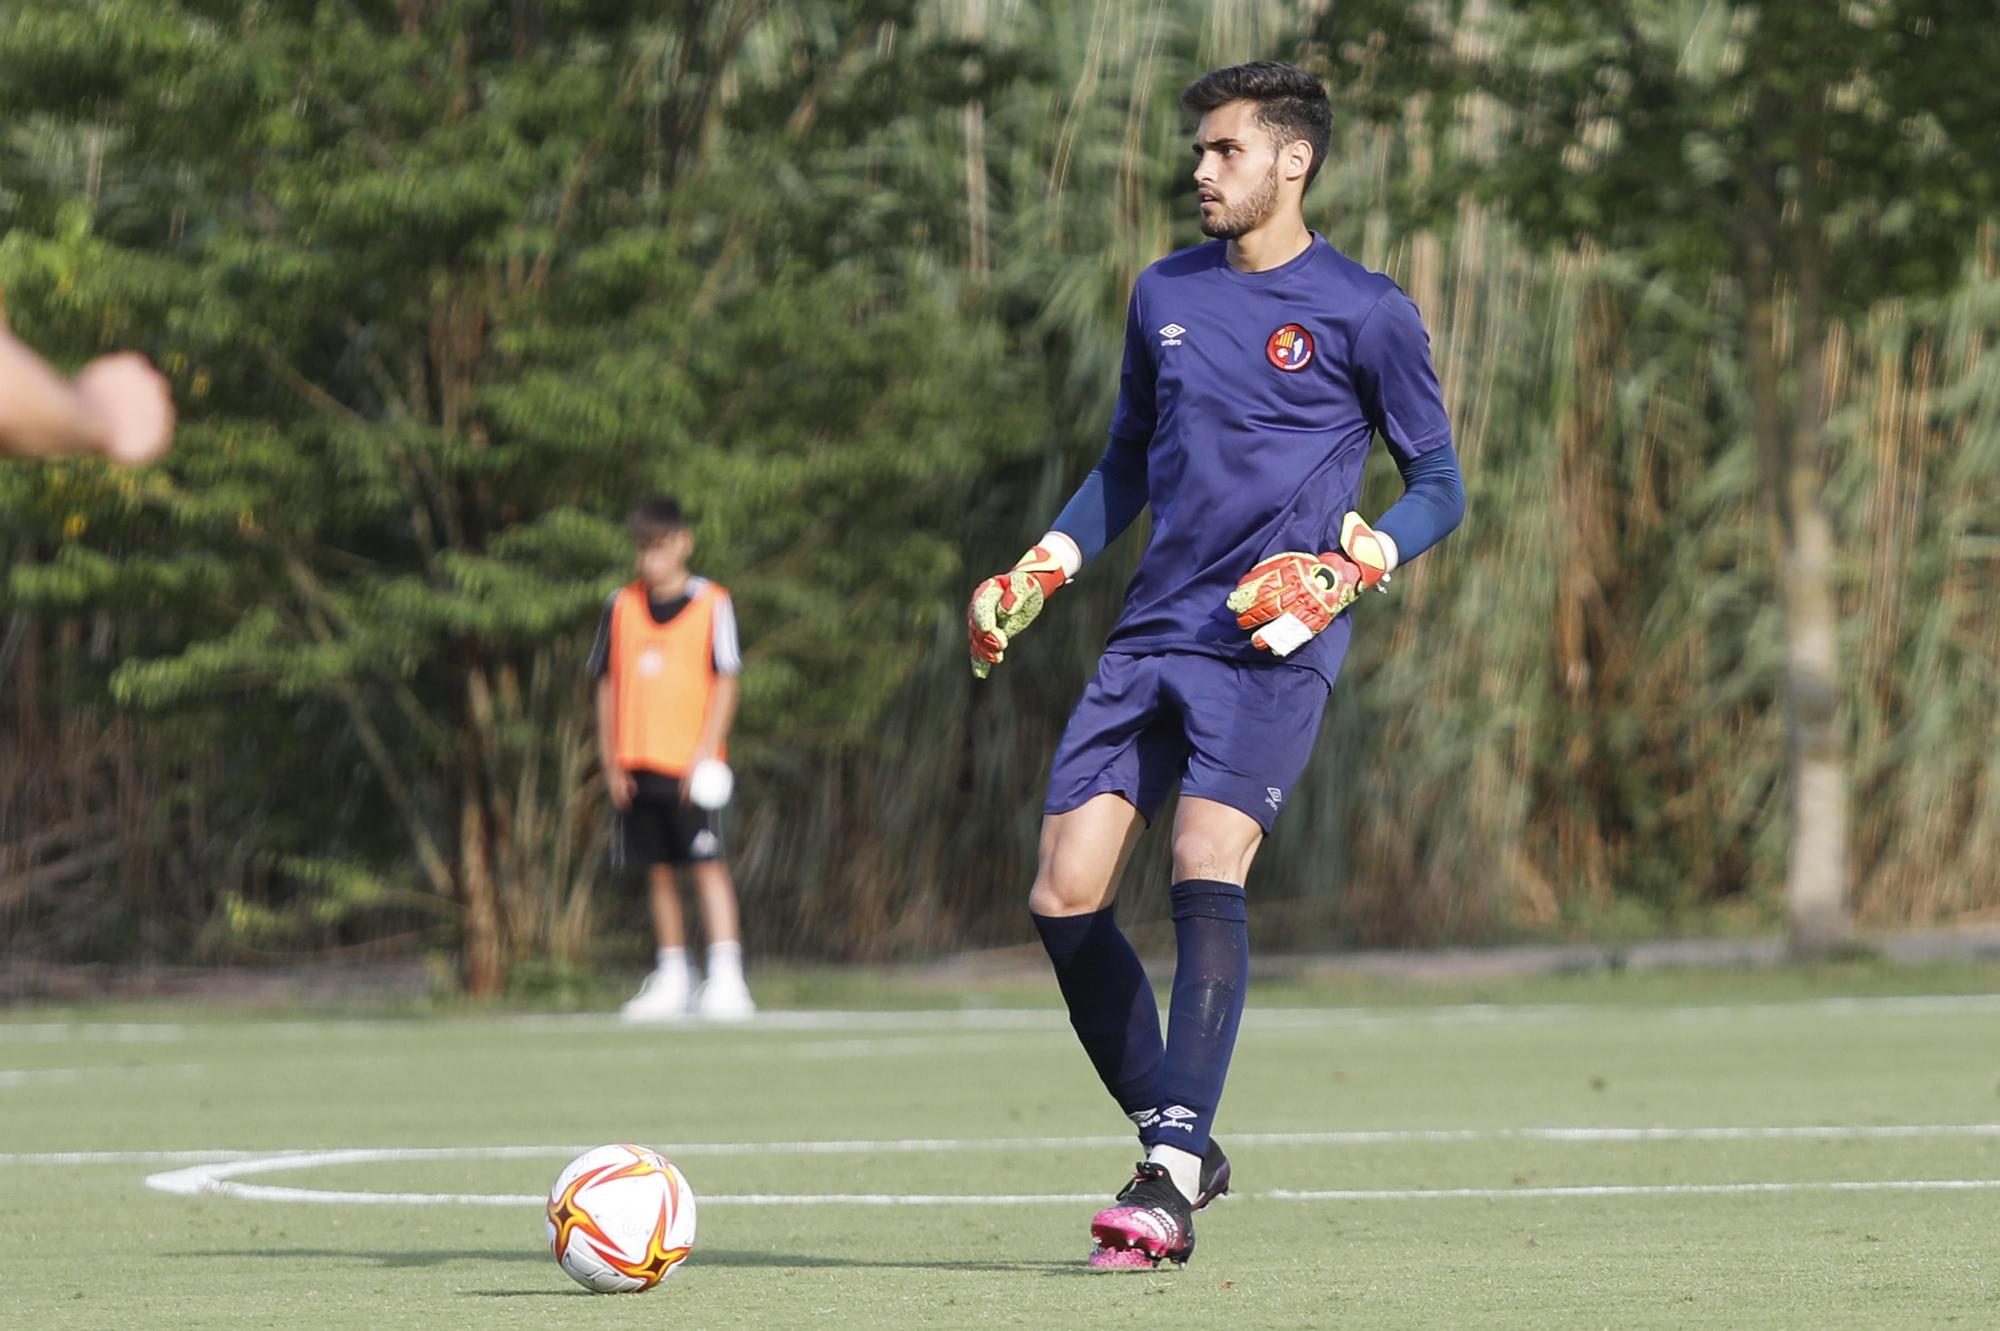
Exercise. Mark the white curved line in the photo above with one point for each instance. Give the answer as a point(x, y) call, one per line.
point(219, 1179)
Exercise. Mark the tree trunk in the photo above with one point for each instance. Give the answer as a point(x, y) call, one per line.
point(1791, 441)
point(1816, 869)
point(482, 953)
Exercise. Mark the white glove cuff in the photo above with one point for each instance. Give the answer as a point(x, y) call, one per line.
point(1065, 550)
point(1286, 634)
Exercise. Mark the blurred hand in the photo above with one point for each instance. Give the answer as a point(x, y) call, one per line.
point(622, 787)
point(131, 405)
point(687, 783)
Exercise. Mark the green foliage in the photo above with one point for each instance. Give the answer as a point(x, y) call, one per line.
point(441, 297)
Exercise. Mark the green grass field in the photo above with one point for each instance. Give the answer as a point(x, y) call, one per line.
point(1463, 1210)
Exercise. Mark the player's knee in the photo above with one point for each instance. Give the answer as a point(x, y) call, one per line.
point(1200, 853)
point(1054, 896)
point(1064, 885)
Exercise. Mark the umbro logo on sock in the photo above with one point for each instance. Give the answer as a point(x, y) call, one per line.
point(1145, 1118)
point(1178, 1116)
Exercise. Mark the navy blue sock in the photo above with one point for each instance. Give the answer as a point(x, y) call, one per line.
point(1212, 930)
point(1111, 1005)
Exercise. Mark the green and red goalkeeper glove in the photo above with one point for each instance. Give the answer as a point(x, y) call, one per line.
point(1290, 597)
point(1005, 605)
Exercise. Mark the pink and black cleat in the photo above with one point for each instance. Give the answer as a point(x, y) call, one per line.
point(1150, 1221)
point(1214, 1183)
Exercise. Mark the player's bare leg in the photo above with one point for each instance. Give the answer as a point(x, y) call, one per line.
point(1083, 855)
point(1214, 845)
point(723, 995)
point(664, 898)
point(664, 995)
point(715, 890)
point(1214, 841)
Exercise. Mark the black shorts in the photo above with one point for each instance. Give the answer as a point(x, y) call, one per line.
point(660, 828)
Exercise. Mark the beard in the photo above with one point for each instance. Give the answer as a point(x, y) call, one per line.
point(1235, 219)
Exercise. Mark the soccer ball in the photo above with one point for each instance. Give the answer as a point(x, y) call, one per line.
point(621, 1218)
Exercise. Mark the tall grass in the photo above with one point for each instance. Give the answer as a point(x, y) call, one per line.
point(1565, 719)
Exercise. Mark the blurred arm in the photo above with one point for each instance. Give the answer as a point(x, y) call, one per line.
point(721, 714)
point(118, 407)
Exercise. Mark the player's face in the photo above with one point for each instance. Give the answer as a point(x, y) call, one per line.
point(1244, 173)
point(1236, 171)
point(664, 560)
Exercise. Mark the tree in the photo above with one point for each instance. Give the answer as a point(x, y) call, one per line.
point(447, 285)
point(1819, 159)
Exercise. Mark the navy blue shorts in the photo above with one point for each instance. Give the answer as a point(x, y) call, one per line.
point(1225, 731)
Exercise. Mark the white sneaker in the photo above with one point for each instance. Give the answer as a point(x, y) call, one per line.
point(724, 1000)
point(662, 998)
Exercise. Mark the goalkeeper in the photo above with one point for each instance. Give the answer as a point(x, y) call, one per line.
point(1258, 368)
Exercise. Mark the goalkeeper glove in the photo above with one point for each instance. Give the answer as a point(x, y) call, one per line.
point(1003, 606)
point(1289, 598)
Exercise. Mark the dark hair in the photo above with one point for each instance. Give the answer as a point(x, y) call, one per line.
point(655, 519)
point(1291, 103)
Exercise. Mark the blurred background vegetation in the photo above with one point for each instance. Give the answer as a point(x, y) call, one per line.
point(443, 285)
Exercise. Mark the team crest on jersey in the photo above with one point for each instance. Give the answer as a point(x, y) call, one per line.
point(1290, 348)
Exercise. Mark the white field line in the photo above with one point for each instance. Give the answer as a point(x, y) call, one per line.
point(98, 1032)
point(1002, 1019)
point(13, 1077)
point(901, 1046)
point(220, 1180)
point(1633, 1190)
point(924, 1146)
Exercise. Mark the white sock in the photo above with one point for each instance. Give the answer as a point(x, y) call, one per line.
point(725, 961)
point(670, 960)
point(1184, 1167)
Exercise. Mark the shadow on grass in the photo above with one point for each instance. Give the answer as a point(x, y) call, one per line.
point(411, 1257)
point(721, 1257)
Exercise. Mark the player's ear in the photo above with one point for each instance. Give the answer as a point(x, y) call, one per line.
point(1298, 158)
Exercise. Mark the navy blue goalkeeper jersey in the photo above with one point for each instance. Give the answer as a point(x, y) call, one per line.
point(1248, 402)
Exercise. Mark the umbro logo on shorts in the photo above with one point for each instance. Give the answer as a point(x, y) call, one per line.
point(1273, 797)
point(1170, 336)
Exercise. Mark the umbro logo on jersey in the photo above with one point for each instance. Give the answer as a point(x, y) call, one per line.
point(1170, 336)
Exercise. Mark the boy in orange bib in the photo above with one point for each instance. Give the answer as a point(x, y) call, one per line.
point(666, 661)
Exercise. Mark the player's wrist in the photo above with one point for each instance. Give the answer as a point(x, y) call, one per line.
point(1371, 553)
point(1067, 553)
point(1050, 563)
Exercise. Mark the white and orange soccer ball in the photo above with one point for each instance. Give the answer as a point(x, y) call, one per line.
point(621, 1219)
